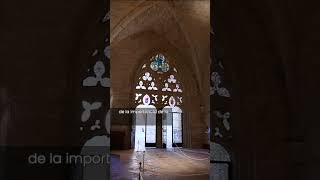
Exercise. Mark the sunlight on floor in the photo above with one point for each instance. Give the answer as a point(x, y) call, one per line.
point(160, 164)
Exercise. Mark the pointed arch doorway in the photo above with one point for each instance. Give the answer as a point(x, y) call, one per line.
point(158, 119)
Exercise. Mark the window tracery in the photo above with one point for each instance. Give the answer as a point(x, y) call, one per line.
point(159, 81)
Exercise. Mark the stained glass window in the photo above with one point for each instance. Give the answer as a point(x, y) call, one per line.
point(158, 76)
point(159, 63)
point(158, 85)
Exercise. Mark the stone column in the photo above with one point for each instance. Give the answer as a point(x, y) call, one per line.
point(159, 131)
point(140, 132)
point(4, 118)
point(169, 117)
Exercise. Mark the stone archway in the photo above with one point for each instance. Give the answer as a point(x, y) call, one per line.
point(136, 35)
point(158, 87)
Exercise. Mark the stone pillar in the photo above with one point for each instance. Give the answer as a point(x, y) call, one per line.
point(169, 117)
point(140, 132)
point(159, 131)
point(4, 116)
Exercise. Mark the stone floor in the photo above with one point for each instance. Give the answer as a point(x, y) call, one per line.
point(160, 164)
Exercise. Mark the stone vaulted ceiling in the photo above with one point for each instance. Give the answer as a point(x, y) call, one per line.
point(181, 23)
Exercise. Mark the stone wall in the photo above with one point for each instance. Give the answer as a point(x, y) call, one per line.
point(139, 30)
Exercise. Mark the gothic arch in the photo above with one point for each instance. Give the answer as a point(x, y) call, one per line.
point(146, 61)
point(142, 18)
point(143, 53)
point(159, 76)
point(140, 34)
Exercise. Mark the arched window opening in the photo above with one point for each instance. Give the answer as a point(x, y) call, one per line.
point(158, 88)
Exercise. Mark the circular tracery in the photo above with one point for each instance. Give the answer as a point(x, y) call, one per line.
point(160, 83)
point(159, 63)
